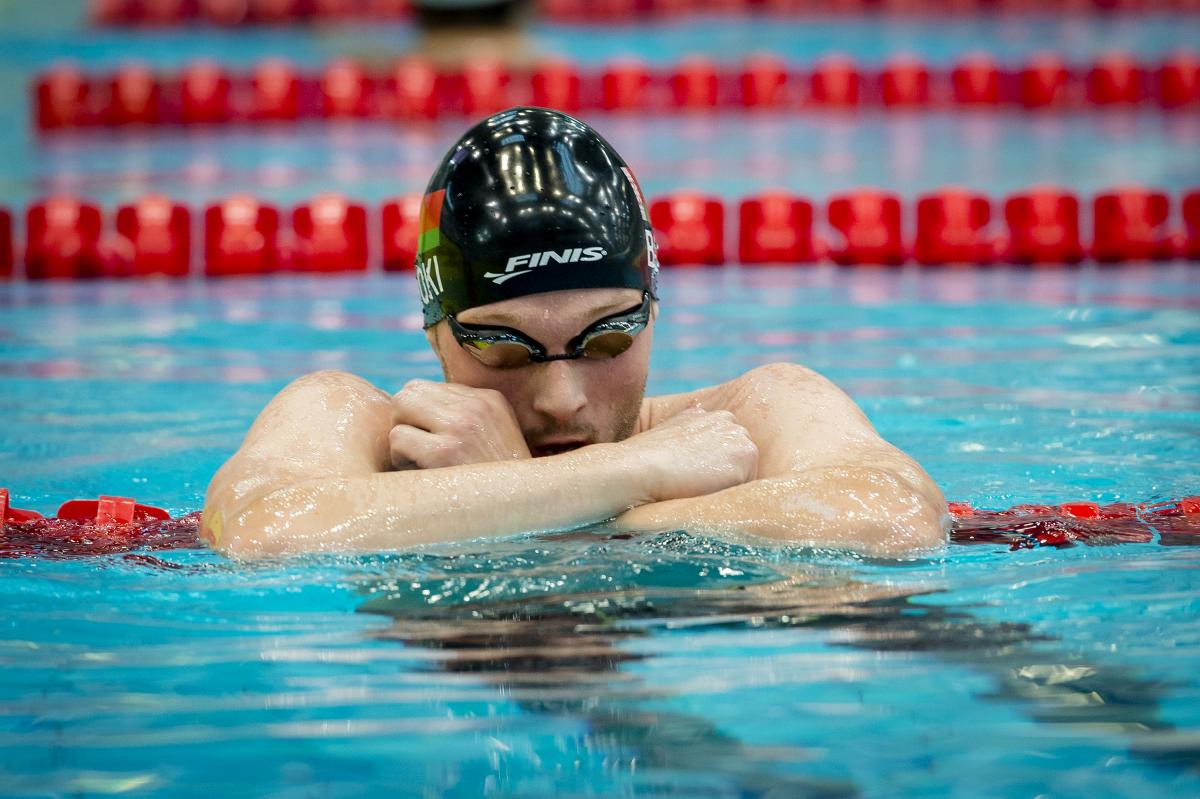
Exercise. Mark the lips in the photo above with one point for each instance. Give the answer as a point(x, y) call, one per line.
point(544, 448)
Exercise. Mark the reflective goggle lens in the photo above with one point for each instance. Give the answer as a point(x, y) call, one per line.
point(608, 344)
point(499, 354)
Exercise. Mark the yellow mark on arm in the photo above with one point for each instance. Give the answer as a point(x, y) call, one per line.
point(211, 527)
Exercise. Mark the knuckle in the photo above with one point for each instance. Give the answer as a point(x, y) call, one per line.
point(473, 407)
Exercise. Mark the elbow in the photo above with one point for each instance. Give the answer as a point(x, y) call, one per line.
point(906, 525)
point(252, 532)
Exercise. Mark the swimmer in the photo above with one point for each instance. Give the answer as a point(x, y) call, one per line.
point(538, 278)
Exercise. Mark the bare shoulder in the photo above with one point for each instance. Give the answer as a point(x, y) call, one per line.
point(323, 424)
point(318, 406)
point(762, 392)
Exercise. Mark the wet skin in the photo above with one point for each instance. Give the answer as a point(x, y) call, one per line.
point(335, 464)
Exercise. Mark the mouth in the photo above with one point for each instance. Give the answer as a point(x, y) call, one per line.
point(544, 448)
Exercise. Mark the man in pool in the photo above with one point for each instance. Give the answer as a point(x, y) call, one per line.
point(538, 275)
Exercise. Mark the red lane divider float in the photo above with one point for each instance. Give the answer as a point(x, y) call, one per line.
point(103, 526)
point(277, 12)
point(412, 89)
point(1177, 523)
point(66, 237)
point(111, 525)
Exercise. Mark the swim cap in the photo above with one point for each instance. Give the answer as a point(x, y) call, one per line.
point(530, 200)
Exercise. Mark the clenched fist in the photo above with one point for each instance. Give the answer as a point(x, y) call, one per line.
point(444, 424)
point(694, 453)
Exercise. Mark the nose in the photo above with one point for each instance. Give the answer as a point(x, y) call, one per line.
point(560, 392)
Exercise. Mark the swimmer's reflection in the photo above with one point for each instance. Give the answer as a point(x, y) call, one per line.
point(562, 654)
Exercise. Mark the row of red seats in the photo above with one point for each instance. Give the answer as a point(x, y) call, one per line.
point(206, 93)
point(240, 12)
point(241, 235)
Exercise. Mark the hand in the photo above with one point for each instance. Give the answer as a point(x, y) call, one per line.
point(444, 424)
point(695, 453)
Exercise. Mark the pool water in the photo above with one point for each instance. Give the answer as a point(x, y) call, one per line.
point(595, 663)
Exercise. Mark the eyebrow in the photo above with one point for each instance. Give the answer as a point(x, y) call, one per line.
point(506, 319)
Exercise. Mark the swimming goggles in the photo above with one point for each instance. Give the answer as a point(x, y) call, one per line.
point(505, 348)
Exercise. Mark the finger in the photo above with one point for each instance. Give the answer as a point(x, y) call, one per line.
point(448, 408)
point(413, 448)
point(427, 405)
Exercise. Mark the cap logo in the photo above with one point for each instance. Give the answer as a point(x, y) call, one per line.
point(532, 260)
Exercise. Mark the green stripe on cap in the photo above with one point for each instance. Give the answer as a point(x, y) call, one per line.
point(429, 240)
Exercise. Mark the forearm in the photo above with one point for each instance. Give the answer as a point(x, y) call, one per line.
point(871, 510)
point(390, 510)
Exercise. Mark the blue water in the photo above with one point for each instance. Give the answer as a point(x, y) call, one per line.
point(583, 665)
point(592, 664)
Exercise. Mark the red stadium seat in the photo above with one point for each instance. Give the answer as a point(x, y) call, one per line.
point(555, 84)
point(344, 90)
point(274, 91)
point(413, 89)
point(1044, 83)
point(775, 228)
point(401, 229)
point(763, 82)
point(63, 94)
point(134, 97)
point(331, 235)
point(240, 237)
point(690, 229)
point(62, 240)
point(905, 83)
point(1043, 226)
point(484, 87)
point(1191, 221)
point(624, 86)
point(6, 244)
point(952, 228)
point(1130, 225)
point(694, 84)
point(204, 94)
point(835, 82)
point(1116, 79)
point(160, 235)
point(869, 222)
point(1178, 81)
point(976, 81)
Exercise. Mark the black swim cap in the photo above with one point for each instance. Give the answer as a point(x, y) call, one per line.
point(530, 200)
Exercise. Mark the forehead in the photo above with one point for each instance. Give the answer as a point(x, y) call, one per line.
point(572, 309)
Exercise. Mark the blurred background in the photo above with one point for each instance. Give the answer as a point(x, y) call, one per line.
point(128, 130)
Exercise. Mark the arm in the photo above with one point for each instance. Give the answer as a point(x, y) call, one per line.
point(314, 474)
point(825, 477)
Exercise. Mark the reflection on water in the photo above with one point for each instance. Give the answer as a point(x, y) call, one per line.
point(558, 633)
